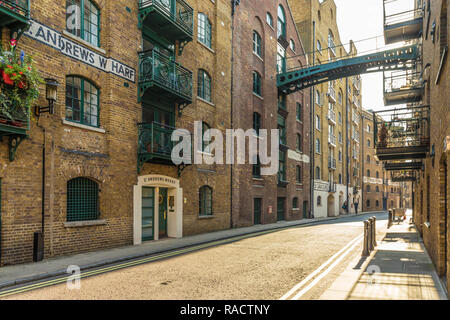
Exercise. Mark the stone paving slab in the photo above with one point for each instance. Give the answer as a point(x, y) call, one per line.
point(406, 271)
point(24, 273)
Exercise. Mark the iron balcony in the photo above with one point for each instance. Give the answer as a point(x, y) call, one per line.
point(402, 134)
point(400, 25)
point(15, 14)
point(155, 144)
point(171, 19)
point(331, 163)
point(162, 77)
point(14, 126)
point(332, 116)
point(332, 140)
point(402, 86)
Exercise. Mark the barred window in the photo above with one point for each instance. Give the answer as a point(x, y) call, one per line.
point(83, 20)
point(204, 85)
point(204, 30)
point(82, 101)
point(205, 201)
point(82, 200)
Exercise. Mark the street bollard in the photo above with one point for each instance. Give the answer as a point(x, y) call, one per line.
point(366, 239)
point(390, 218)
point(370, 234)
point(374, 232)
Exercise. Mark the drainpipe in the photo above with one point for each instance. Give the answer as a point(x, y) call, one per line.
point(346, 145)
point(231, 108)
point(313, 127)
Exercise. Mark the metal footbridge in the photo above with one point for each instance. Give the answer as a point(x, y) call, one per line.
point(300, 78)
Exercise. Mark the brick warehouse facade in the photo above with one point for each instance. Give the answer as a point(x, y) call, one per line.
point(262, 36)
point(104, 150)
point(431, 192)
point(337, 112)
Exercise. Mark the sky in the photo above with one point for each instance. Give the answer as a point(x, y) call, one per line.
point(357, 20)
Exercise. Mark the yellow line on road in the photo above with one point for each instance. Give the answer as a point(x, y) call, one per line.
point(137, 262)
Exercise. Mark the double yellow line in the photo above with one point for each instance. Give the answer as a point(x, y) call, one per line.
point(86, 274)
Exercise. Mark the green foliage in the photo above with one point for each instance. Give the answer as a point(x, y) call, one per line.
point(16, 100)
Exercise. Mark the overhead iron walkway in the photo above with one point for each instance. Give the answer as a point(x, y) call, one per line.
point(297, 79)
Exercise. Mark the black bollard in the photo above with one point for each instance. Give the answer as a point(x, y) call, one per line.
point(365, 252)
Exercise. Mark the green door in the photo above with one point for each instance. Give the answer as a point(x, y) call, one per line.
point(305, 209)
point(280, 209)
point(148, 208)
point(257, 210)
point(162, 212)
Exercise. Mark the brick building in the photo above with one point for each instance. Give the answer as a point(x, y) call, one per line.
point(96, 173)
point(431, 192)
point(264, 37)
point(336, 109)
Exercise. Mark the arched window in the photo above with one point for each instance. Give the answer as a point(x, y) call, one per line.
point(318, 173)
point(281, 25)
point(319, 200)
point(269, 19)
point(377, 174)
point(204, 30)
point(340, 97)
point(368, 173)
point(368, 158)
point(82, 200)
point(257, 44)
point(257, 83)
point(205, 201)
point(82, 101)
point(295, 203)
point(318, 145)
point(368, 142)
point(204, 85)
point(83, 20)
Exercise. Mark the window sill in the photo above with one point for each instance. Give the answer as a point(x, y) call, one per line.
point(299, 121)
point(295, 209)
point(257, 179)
point(84, 42)
point(257, 95)
point(258, 56)
point(82, 126)
point(205, 46)
point(206, 101)
point(88, 223)
point(206, 217)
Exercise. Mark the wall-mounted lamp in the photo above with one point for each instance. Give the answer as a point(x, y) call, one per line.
point(51, 90)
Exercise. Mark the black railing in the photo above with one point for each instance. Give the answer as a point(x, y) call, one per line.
point(14, 120)
point(165, 72)
point(20, 7)
point(155, 139)
point(406, 127)
point(177, 11)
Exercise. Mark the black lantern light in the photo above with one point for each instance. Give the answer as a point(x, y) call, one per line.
point(51, 90)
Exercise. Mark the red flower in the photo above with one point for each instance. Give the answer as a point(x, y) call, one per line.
point(14, 74)
point(20, 72)
point(10, 67)
point(13, 42)
point(29, 68)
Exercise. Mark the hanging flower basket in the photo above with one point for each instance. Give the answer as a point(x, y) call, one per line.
point(19, 85)
point(7, 79)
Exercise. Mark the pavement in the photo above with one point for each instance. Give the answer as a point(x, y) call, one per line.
point(53, 267)
point(398, 269)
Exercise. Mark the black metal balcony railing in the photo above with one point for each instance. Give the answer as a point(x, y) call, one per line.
point(14, 14)
point(402, 86)
point(17, 121)
point(402, 20)
point(164, 76)
point(402, 133)
point(155, 144)
point(173, 19)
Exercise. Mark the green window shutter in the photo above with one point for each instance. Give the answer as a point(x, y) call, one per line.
point(82, 200)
